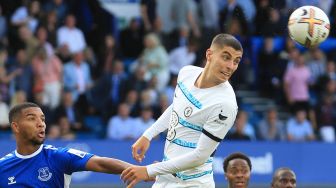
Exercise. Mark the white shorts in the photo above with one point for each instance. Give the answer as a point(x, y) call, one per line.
point(169, 181)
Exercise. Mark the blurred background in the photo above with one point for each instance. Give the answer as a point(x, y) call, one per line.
point(104, 70)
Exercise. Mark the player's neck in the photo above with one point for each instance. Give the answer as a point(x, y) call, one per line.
point(26, 149)
point(203, 81)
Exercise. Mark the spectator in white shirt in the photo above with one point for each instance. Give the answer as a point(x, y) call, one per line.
point(182, 56)
point(70, 38)
point(121, 126)
point(143, 122)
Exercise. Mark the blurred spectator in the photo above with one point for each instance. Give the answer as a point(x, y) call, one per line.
point(209, 21)
point(162, 105)
point(170, 89)
point(59, 6)
point(42, 37)
point(267, 20)
point(155, 60)
point(17, 98)
point(48, 77)
point(20, 16)
point(5, 77)
point(108, 53)
point(4, 110)
point(54, 132)
point(65, 127)
point(148, 14)
point(132, 100)
point(299, 127)
point(70, 39)
point(184, 14)
point(67, 109)
point(24, 78)
point(30, 42)
point(3, 27)
point(50, 23)
point(271, 128)
point(77, 76)
point(326, 118)
point(242, 129)
point(121, 126)
point(182, 56)
point(137, 80)
point(316, 62)
point(131, 40)
point(331, 70)
point(267, 66)
point(296, 82)
point(232, 12)
point(143, 122)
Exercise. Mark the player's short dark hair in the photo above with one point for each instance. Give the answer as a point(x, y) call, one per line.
point(222, 40)
point(236, 155)
point(277, 171)
point(16, 110)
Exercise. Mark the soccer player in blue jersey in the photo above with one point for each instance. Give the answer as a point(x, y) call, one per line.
point(203, 110)
point(34, 164)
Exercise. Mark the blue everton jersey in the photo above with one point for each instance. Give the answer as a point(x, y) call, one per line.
point(47, 167)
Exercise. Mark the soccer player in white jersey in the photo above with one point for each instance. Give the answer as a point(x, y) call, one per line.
point(34, 164)
point(203, 110)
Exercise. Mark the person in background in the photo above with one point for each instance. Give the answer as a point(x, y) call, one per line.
point(283, 178)
point(237, 170)
point(34, 164)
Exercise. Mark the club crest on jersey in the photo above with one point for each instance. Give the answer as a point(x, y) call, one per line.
point(188, 111)
point(44, 174)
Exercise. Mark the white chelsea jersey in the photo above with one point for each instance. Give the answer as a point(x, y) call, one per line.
point(210, 111)
point(47, 167)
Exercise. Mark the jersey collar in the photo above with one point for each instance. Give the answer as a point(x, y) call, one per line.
point(29, 156)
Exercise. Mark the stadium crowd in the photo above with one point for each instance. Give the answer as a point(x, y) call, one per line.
point(94, 78)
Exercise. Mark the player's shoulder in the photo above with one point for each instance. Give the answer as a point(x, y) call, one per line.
point(6, 158)
point(188, 70)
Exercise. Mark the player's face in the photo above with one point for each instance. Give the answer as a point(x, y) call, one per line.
point(238, 173)
point(285, 179)
point(31, 125)
point(223, 62)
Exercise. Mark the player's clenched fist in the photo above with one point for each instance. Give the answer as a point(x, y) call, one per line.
point(132, 175)
point(141, 145)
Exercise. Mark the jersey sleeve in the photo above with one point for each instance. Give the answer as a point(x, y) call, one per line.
point(75, 160)
point(220, 120)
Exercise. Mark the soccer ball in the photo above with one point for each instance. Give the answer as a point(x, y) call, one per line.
point(308, 26)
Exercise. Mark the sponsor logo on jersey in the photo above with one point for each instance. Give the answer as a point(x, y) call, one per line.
point(11, 180)
point(79, 153)
point(188, 111)
point(173, 123)
point(44, 174)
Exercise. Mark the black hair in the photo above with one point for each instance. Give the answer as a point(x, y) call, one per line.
point(17, 109)
point(222, 40)
point(236, 155)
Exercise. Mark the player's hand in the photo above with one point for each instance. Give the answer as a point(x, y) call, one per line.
point(141, 145)
point(134, 174)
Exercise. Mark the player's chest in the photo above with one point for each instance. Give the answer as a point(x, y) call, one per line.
point(32, 174)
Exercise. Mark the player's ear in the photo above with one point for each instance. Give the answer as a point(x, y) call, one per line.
point(15, 127)
point(208, 54)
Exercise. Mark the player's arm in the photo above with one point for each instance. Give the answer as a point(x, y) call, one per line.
point(142, 144)
point(213, 132)
point(206, 146)
point(106, 165)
